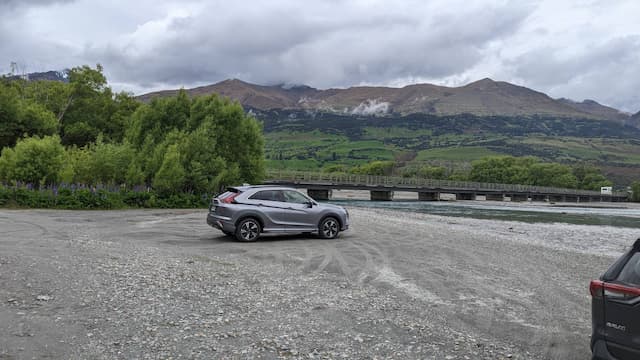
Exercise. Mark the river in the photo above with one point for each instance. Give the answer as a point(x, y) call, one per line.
point(611, 214)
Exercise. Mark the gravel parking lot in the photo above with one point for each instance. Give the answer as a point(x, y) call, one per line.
point(151, 284)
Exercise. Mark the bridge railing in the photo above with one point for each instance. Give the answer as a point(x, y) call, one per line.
point(373, 180)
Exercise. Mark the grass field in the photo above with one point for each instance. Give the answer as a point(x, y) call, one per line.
point(313, 150)
point(465, 153)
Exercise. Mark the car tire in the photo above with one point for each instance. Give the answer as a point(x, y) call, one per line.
point(329, 228)
point(248, 230)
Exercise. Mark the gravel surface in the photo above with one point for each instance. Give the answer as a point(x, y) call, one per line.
point(149, 284)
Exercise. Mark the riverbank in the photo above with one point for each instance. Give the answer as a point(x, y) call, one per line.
point(161, 283)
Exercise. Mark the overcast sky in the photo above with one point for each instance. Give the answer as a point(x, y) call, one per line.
point(577, 49)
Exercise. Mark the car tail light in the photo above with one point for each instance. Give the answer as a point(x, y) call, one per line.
point(596, 288)
point(230, 199)
point(599, 289)
point(618, 291)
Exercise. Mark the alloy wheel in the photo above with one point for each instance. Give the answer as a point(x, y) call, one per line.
point(249, 230)
point(329, 228)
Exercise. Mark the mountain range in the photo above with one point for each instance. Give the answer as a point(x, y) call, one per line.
point(485, 97)
point(312, 129)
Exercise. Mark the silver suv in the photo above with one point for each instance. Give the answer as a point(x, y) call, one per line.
point(248, 211)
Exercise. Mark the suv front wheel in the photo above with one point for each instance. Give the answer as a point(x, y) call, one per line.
point(329, 228)
point(248, 230)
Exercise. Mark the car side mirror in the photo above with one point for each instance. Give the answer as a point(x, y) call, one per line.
point(309, 204)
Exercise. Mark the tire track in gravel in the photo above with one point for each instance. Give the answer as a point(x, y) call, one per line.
point(482, 282)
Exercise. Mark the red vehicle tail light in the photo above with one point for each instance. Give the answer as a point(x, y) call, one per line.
point(230, 199)
point(599, 289)
point(618, 291)
point(596, 288)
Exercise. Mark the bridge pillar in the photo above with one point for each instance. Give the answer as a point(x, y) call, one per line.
point(540, 198)
point(377, 195)
point(465, 196)
point(557, 198)
point(519, 197)
point(583, 198)
point(571, 198)
point(428, 196)
point(495, 197)
point(320, 194)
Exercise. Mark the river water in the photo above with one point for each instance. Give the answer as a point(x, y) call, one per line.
point(614, 214)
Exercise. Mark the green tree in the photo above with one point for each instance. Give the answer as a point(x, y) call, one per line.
point(375, 168)
point(238, 137)
point(590, 177)
point(109, 163)
point(432, 172)
point(8, 115)
point(161, 116)
point(502, 169)
point(53, 95)
point(35, 119)
point(551, 174)
point(171, 175)
point(91, 108)
point(201, 161)
point(35, 160)
point(216, 140)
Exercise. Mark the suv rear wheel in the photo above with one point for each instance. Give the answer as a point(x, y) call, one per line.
point(248, 230)
point(329, 228)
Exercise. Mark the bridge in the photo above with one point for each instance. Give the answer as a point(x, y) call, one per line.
point(320, 186)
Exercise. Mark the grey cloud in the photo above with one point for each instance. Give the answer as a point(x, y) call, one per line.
point(604, 72)
point(342, 46)
point(21, 4)
point(148, 45)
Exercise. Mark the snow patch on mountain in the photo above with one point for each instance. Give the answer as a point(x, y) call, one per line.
point(371, 107)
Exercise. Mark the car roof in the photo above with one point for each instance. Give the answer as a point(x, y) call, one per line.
point(252, 187)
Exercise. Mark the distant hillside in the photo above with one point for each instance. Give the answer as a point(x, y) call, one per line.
point(593, 107)
point(482, 98)
point(303, 140)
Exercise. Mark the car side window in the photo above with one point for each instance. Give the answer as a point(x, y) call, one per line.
point(263, 195)
point(630, 273)
point(278, 196)
point(295, 197)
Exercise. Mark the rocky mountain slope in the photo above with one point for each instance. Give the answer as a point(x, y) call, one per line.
point(52, 75)
point(483, 98)
point(635, 119)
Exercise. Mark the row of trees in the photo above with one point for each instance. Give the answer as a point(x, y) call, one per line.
point(530, 171)
point(81, 132)
point(495, 169)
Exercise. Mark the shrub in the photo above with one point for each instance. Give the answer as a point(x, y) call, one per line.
point(80, 197)
point(33, 160)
